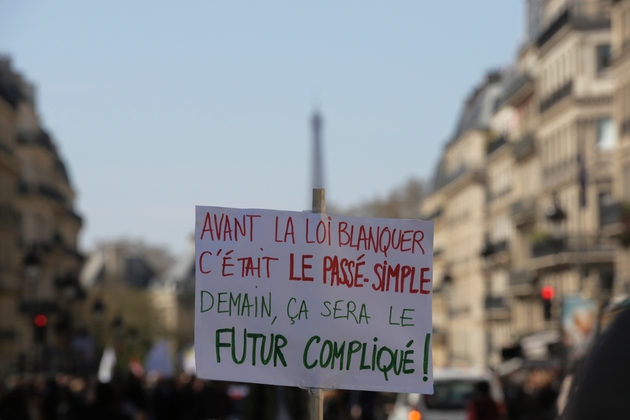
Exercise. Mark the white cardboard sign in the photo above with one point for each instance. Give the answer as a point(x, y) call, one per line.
point(313, 300)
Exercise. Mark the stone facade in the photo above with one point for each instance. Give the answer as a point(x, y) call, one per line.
point(531, 201)
point(39, 260)
point(621, 112)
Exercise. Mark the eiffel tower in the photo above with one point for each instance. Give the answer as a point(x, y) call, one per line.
point(317, 174)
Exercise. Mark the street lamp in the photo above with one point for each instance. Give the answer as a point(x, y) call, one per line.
point(28, 306)
point(118, 327)
point(486, 254)
point(554, 212)
point(32, 264)
point(487, 250)
point(98, 309)
point(98, 314)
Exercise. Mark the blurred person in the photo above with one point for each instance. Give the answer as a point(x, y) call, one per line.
point(565, 389)
point(270, 402)
point(133, 394)
point(362, 405)
point(482, 406)
point(164, 399)
point(76, 399)
point(14, 403)
point(106, 405)
point(602, 390)
point(337, 405)
point(214, 402)
point(514, 394)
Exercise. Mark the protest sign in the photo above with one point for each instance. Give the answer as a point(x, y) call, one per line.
point(313, 300)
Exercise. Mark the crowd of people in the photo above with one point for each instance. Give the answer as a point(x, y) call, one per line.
point(539, 393)
point(185, 397)
point(68, 397)
point(532, 394)
point(132, 397)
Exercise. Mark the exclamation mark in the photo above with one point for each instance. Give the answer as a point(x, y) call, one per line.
point(425, 366)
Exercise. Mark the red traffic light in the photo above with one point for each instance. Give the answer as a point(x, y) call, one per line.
point(547, 292)
point(40, 320)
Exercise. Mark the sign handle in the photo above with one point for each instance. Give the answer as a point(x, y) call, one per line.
point(319, 200)
point(316, 395)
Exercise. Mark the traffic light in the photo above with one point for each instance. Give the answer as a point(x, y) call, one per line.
point(547, 293)
point(40, 322)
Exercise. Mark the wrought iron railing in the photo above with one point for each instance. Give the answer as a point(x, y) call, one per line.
point(556, 96)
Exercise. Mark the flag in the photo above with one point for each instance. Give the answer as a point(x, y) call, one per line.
point(108, 361)
point(188, 361)
point(582, 179)
point(158, 360)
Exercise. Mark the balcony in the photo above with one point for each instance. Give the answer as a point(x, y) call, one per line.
point(518, 89)
point(609, 214)
point(437, 213)
point(8, 334)
point(38, 138)
point(450, 177)
point(551, 29)
point(557, 96)
point(501, 246)
point(4, 148)
point(549, 251)
point(9, 216)
point(548, 246)
point(70, 287)
point(496, 144)
point(458, 311)
point(617, 219)
point(46, 191)
point(39, 306)
point(496, 307)
point(10, 91)
point(581, 14)
point(496, 253)
point(524, 148)
point(521, 282)
point(73, 215)
point(524, 212)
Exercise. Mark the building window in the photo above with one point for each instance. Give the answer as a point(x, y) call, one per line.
point(606, 135)
point(606, 202)
point(626, 182)
point(603, 57)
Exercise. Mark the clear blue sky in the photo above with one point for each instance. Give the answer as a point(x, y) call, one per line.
point(159, 106)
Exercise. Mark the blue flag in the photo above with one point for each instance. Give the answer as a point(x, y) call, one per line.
point(582, 179)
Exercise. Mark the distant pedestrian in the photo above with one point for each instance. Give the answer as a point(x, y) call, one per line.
point(482, 406)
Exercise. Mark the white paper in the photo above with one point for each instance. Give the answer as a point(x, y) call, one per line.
point(302, 299)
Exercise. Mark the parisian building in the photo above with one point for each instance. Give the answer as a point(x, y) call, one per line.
point(40, 296)
point(525, 197)
point(621, 113)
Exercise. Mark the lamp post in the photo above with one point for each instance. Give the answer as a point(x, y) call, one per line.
point(554, 212)
point(556, 215)
point(98, 315)
point(447, 282)
point(486, 254)
point(32, 263)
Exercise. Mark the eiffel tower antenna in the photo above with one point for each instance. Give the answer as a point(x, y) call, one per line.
point(317, 180)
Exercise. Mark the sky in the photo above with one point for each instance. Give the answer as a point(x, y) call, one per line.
point(160, 106)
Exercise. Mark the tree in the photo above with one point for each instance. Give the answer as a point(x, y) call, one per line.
point(402, 203)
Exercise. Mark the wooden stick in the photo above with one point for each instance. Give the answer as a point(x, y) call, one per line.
point(317, 394)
